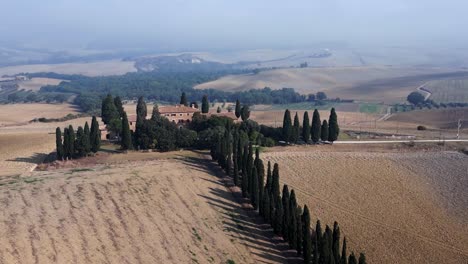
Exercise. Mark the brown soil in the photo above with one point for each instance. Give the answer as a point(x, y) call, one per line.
point(400, 207)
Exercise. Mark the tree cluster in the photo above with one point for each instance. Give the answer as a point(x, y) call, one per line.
point(71, 145)
point(315, 132)
point(236, 155)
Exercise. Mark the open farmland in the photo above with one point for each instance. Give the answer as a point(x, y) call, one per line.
point(438, 119)
point(35, 84)
point(387, 84)
point(396, 207)
point(16, 114)
point(161, 211)
point(449, 91)
point(100, 68)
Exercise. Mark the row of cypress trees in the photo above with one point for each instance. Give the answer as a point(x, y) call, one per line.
point(292, 222)
point(70, 145)
point(315, 131)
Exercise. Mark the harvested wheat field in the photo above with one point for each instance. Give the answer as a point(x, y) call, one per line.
point(15, 114)
point(396, 207)
point(35, 84)
point(161, 211)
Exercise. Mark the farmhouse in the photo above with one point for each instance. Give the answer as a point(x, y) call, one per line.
point(178, 114)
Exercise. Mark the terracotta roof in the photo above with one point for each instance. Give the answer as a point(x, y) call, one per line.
point(177, 109)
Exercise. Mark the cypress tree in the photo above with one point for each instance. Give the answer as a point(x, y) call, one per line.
point(71, 138)
point(245, 113)
point(250, 166)
point(336, 242)
point(362, 258)
point(279, 216)
point(155, 113)
point(306, 236)
point(273, 220)
point(324, 131)
point(79, 144)
point(296, 129)
point(275, 185)
point(205, 105)
point(266, 206)
point(315, 249)
point(66, 144)
point(325, 247)
point(352, 259)
point(269, 177)
point(95, 136)
point(240, 155)
point(255, 192)
point(287, 126)
point(119, 106)
point(299, 230)
point(344, 254)
point(108, 110)
point(316, 126)
point(319, 236)
point(292, 232)
point(58, 143)
point(333, 128)
point(306, 127)
point(238, 109)
point(286, 214)
point(126, 142)
point(261, 181)
point(141, 109)
point(183, 99)
point(87, 141)
point(245, 179)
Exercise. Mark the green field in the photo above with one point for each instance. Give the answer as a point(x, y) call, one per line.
point(449, 91)
point(370, 108)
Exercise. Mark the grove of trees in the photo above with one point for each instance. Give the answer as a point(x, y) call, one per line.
point(71, 145)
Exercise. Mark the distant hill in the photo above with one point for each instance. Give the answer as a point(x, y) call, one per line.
point(179, 63)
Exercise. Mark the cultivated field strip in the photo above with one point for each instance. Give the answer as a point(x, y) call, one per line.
point(156, 212)
point(385, 208)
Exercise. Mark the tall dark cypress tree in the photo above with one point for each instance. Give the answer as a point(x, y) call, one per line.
point(245, 113)
point(336, 242)
point(266, 206)
point(205, 105)
point(325, 247)
point(119, 106)
point(272, 210)
point(66, 144)
point(287, 126)
point(269, 177)
point(306, 236)
point(296, 133)
point(352, 259)
point(324, 131)
point(155, 114)
point(286, 214)
point(183, 99)
point(255, 193)
point(245, 174)
point(95, 136)
point(238, 109)
point(72, 138)
point(279, 216)
point(319, 235)
point(306, 127)
point(292, 232)
point(141, 109)
point(261, 181)
point(344, 254)
point(58, 143)
point(275, 185)
point(299, 230)
point(333, 128)
point(362, 258)
point(315, 249)
point(126, 142)
point(316, 126)
point(250, 166)
point(109, 110)
point(79, 144)
point(87, 141)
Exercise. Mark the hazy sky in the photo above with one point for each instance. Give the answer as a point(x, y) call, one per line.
point(228, 24)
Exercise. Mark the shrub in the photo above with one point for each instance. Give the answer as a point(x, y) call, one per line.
point(421, 128)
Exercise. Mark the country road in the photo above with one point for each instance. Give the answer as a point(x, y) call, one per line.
point(398, 141)
point(427, 93)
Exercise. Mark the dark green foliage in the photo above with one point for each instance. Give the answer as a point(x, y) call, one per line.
point(155, 113)
point(218, 110)
point(255, 192)
point(126, 142)
point(319, 236)
point(325, 246)
point(261, 181)
point(87, 133)
point(324, 131)
point(109, 110)
point(183, 99)
point(95, 135)
point(119, 106)
point(362, 258)
point(245, 174)
point(292, 231)
point(66, 144)
point(238, 109)
point(275, 185)
point(306, 127)
point(333, 128)
point(266, 206)
point(141, 109)
point(296, 129)
point(287, 126)
point(352, 259)
point(415, 98)
point(344, 254)
point(245, 113)
point(298, 212)
point(273, 210)
point(79, 144)
point(72, 138)
point(205, 105)
point(315, 249)
point(59, 144)
point(278, 219)
point(306, 236)
point(316, 126)
point(336, 242)
point(287, 212)
point(269, 177)
point(250, 166)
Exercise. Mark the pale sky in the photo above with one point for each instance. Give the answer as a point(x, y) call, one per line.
point(220, 24)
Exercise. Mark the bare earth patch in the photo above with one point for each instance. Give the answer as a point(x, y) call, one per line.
point(396, 207)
